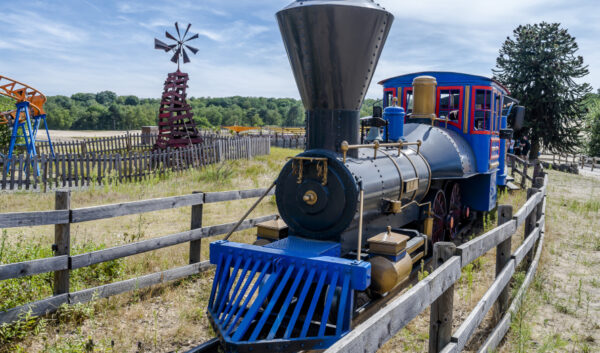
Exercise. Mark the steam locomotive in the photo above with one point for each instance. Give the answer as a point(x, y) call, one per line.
point(358, 211)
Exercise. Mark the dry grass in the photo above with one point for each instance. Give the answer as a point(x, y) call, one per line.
point(476, 278)
point(162, 318)
point(561, 312)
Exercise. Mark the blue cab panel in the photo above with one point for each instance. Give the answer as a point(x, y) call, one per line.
point(479, 102)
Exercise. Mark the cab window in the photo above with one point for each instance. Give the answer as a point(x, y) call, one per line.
point(388, 98)
point(449, 100)
point(409, 102)
point(483, 110)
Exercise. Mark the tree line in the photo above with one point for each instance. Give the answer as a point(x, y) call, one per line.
point(107, 111)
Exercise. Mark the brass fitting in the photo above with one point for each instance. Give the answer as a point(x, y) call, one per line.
point(424, 92)
point(344, 148)
point(310, 197)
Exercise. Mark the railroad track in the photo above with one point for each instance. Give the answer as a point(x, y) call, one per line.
point(211, 346)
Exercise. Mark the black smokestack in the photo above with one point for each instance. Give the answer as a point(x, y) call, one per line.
point(333, 47)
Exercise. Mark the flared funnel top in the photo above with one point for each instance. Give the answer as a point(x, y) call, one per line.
point(334, 47)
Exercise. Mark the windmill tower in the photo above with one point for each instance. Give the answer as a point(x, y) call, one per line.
point(176, 126)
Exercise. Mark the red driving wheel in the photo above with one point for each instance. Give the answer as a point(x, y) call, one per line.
point(438, 208)
point(455, 210)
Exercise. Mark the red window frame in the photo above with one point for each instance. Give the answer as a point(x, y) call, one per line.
point(389, 89)
point(404, 98)
point(491, 110)
point(497, 112)
point(457, 124)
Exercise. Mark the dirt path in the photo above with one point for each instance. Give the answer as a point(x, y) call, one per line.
point(562, 311)
point(68, 135)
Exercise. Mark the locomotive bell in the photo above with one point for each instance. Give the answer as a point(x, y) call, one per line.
point(333, 47)
point(424, 97)
point(374, 135)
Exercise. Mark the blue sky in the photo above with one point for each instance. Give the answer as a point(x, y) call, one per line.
point(63, 47)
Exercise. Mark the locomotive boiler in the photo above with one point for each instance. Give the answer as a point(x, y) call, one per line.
point(356, 217)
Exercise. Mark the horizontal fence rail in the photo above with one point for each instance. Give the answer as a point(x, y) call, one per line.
point(44, 172)
point(437, 289)
point(63, 262)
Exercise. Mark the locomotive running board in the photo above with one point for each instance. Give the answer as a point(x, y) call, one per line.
point(290, 295)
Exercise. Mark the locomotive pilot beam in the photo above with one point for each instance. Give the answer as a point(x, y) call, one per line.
point(356, 218)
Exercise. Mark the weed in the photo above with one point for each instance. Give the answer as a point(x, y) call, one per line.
point(552, 343)
point(467, 278)
point(18, 330)
point(422, 272)
point(76, 313)
point(221, 173)
point(562, 307)
point(579, 293)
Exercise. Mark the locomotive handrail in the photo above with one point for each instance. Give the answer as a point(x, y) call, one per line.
point(345, 147)
point(437, 289)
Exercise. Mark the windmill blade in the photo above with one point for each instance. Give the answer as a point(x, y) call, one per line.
point(192, 49)
point(177, 29)
point(186, 58)
point(175, 57)
point(195, 36)
point(172, 46)
point(170, 36)
point(161, 45)
point(186, 30)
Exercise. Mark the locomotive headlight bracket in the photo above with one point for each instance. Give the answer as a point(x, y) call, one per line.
point(298, 167)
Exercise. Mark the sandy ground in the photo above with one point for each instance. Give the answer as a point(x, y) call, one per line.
point(588, 172)
point(68, 135)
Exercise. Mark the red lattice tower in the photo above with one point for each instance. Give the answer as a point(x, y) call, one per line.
point(176, 126)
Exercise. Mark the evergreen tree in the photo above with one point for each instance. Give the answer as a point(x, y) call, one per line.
point(539, 66)
point(593, 146)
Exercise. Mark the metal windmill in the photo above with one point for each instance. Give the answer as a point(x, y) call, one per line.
point(176, 126)
point(178, 48)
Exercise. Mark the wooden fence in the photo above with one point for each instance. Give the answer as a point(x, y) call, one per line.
point(581, 160)
point(63, 262)
point(78, 170)
point(126, 142)
point(437, 289)
point(288, 141)
point(520, 167)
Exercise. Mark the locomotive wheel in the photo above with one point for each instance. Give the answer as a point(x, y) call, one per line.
point(438, 208)
point(455, 210)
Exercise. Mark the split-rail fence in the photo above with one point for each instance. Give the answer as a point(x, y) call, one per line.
point(437, 289)
point(64, 262)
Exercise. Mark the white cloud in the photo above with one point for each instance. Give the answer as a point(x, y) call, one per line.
point(84, 47)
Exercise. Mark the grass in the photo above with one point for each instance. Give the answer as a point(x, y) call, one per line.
point(161, 318)
point(560, 311)
point(172, 317)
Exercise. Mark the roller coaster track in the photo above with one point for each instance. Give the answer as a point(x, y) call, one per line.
point(20, 92)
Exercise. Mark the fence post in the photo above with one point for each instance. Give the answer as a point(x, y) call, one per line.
point(524, 175)
point(62, 241)
point(195, 245)
point(503, 252)
point(538, 182)
point(440, 318)
point(220, 150)
point(530, 222)
point(248, 151)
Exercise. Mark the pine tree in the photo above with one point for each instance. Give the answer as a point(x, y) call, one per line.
point(539, 66)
